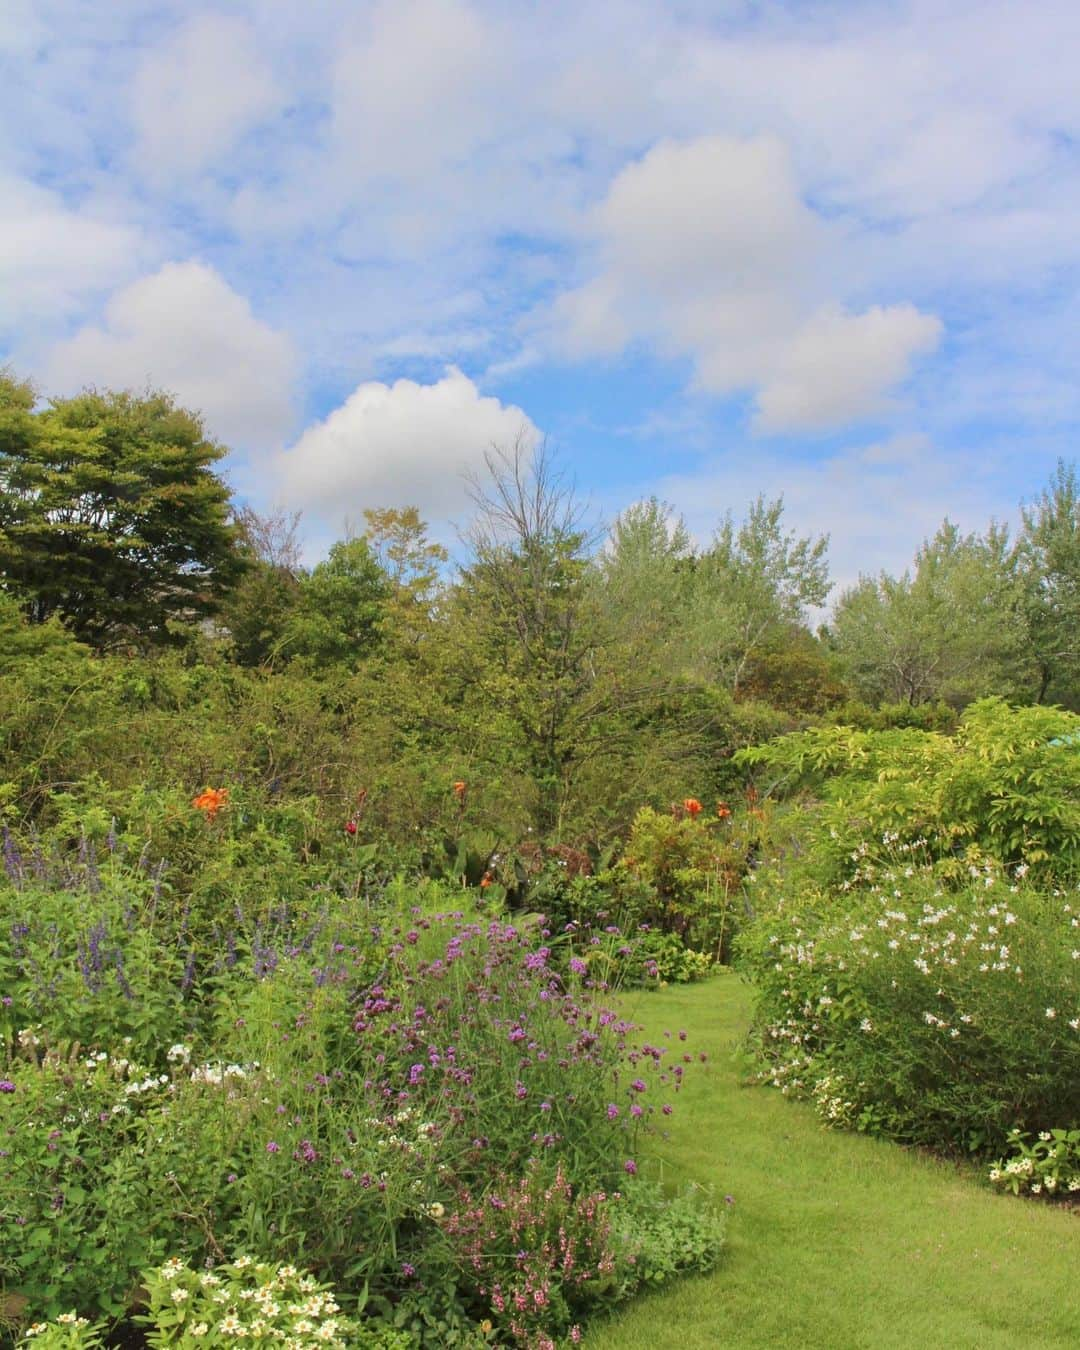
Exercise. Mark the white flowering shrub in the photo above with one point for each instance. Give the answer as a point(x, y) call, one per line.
point(942, 1018)
point(1046, 1164)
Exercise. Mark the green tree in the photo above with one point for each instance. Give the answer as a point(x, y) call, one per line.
point(111, 516)
point(952, 630)
point(1049, 564)
point(258, 609)
point(528, 636)
point(413, 565)
point(339, 608)
point(755, 581)
point(643, 578)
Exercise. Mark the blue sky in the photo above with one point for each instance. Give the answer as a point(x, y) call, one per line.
point(828, 250)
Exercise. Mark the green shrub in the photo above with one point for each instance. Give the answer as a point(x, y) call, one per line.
point(1047, 1164)
point(1006, 786)
point(939, 1018)
point(680, 873)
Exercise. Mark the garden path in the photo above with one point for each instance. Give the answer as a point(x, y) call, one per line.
point(837, 1241)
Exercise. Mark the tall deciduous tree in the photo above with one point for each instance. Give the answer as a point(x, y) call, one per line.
point(111, 516)
point(338, 612)
point(257, 611)
point(1049, 557)
point(413, 564)
point(529, 633)
point(756, 580)
point(953, 629)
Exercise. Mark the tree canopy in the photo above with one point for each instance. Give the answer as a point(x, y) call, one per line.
point(111, 516)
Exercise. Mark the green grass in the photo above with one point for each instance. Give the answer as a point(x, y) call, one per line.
point(836, 1240)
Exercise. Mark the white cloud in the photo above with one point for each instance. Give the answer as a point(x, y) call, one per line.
point(838, 366)
point(412, 88)
point(400, 444)
point(197, 93)
point(707, 249)
point(184, 329)
point(53, 258)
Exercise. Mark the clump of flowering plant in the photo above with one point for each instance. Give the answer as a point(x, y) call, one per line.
point(938, 1017)
point(534, 1252)
point(1048, 1164)
point(68, 1331)
point(246, 1300)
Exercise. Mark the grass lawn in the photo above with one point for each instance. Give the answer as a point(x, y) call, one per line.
point(836, 1240)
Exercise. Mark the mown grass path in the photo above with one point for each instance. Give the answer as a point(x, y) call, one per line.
point(836, 1240)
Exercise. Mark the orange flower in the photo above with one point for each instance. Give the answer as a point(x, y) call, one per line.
point(486, 880)
point(723, 810)
point(211, 801)
point(460, 788)
point(692, 806)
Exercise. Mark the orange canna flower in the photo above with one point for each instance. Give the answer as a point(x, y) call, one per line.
point(692, 806)
point(723, 810)
point(211, 801)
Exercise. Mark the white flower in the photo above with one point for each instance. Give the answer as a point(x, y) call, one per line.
point(179, 1295)
point(1051, 1013)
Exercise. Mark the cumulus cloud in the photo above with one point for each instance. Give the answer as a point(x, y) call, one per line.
point(707, 249)
point(196, 93)
point(838, 366)
point(186, 330)
point(52, 257)
point(400, 444)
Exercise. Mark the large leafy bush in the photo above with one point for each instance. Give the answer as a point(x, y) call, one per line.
point(1006, 785)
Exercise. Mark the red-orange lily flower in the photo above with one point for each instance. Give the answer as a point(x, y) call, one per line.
point(211, 801)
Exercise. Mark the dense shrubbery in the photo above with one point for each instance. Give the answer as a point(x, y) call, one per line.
point(939, 1018)
point(1006, 785)
point(917, 953)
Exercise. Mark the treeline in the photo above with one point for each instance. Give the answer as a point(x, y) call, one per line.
point(155, 638)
